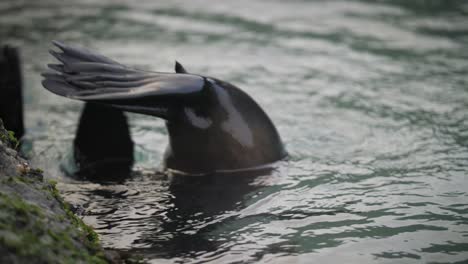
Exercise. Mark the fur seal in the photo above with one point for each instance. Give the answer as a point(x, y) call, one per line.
point(213, 126)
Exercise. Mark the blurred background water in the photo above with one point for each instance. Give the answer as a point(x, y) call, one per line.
point(370, 97)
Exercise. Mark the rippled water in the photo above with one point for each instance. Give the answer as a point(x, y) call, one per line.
point(371, 99)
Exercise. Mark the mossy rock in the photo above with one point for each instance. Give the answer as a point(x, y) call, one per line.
point(43, 230)
point(36, 225)
point(8, 137)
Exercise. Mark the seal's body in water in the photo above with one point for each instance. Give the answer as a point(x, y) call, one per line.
point(213, 126)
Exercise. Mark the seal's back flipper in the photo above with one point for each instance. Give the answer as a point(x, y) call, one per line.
point(87, 76)
point(96, 155)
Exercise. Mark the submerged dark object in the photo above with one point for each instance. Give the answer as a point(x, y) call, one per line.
point(11, 100)
point(213, 126)
point(103, 148)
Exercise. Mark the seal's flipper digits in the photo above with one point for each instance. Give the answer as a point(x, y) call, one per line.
point(75, 54)
point(87, 76)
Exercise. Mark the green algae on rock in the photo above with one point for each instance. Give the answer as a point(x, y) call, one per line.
point(8, 137)
point(36, 225)
point(28, 236)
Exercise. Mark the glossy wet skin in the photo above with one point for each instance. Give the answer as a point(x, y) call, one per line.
point(219, 128)
point(222, 128)
point(213, 126)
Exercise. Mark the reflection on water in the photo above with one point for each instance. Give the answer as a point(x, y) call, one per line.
point(176, 217)
point(369, 97)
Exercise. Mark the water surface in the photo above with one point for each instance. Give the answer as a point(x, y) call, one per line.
point(371, 100)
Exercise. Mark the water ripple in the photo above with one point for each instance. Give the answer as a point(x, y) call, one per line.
point(369, 97)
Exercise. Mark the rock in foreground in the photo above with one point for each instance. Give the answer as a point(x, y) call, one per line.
point(36, 226)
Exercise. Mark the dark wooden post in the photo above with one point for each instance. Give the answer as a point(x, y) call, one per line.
point(11, 98)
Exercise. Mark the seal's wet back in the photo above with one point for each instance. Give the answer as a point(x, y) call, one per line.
point(213, 125)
